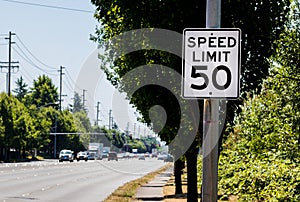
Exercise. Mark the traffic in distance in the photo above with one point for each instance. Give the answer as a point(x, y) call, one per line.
point(69, 155)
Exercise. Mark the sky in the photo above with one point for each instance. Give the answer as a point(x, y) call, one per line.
point(50, 34)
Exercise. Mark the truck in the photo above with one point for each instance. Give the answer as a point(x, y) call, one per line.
point(95, 150)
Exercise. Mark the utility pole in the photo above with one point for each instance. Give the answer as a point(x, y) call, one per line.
point(211, 122)
point(10, 67)
point(127, 128)
point(109, 119)
point(83, 98)
point(134, 125)
point(60, 86)
point(97, 116)
point(9, 60)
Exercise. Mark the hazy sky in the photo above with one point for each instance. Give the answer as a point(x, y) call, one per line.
point(50, 34)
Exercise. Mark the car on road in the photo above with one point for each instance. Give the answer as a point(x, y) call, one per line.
point(92, 156)
point(112, 156)
point(82, 155)
point(66, 155)
point(161, 157)
point(142, 157)
point(104, 154)
point(169, 158)
point(147, 154)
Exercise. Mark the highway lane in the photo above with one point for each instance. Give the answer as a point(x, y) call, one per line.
point(51, 181)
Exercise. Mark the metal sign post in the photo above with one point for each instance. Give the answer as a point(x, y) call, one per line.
point(211, 122)
point(211, 71)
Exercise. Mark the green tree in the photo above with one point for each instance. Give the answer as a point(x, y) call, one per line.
point(83, 125)
point(7, 120)
point(63, 122)
point(260, 21)
point(260, 159)
point(51, 120)
point(43, 124)
point(43, 92)
point(2, 138)
point(78, 104)
point(17, 126)
point(21, 89)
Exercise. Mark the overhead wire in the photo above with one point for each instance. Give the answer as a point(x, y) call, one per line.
point(72, 82)
point(68, 85)
point(48, 66)
point(29, 61)
point(26, 74)
point(49, 6)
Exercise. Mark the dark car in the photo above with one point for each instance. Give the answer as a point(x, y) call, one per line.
point(112, 156)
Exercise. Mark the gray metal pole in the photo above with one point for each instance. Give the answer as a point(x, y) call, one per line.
point(97, 118)
point(9, 63)
point(54, 147)
point(54, 155)
point(109, 120)
point(211, 123)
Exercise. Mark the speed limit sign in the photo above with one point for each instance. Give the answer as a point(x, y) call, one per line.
point(211, 63)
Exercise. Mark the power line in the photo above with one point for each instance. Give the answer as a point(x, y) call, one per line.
point(72, 81)
point(29, 61)
point(26, 74)
point(49, 6)
point(68, 84)
point(51, 67)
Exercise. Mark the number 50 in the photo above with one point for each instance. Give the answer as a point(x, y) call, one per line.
point(197, 71)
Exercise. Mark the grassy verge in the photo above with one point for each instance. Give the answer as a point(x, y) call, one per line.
point(126, 192)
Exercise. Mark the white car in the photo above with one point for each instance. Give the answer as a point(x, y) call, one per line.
point(66, 155)
point(83, 155)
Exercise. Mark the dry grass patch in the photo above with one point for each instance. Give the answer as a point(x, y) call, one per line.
point(126, 192)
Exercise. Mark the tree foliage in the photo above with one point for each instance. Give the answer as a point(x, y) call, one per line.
point(260, 21)
point(260, 159)
point(17, 125)
point(78, 104)
point(21, 89)
point(43, 92)
point(24, 128)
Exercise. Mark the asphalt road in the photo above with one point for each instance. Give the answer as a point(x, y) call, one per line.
point(69, 182)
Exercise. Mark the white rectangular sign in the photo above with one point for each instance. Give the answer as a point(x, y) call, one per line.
point(211, 63)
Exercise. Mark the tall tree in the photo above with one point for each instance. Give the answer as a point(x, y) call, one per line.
point(260, 21)
point(43, 92)
point(7, 120)
point(83, 125)
point(21, 89)
point(17, 126)
point(77, 104)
